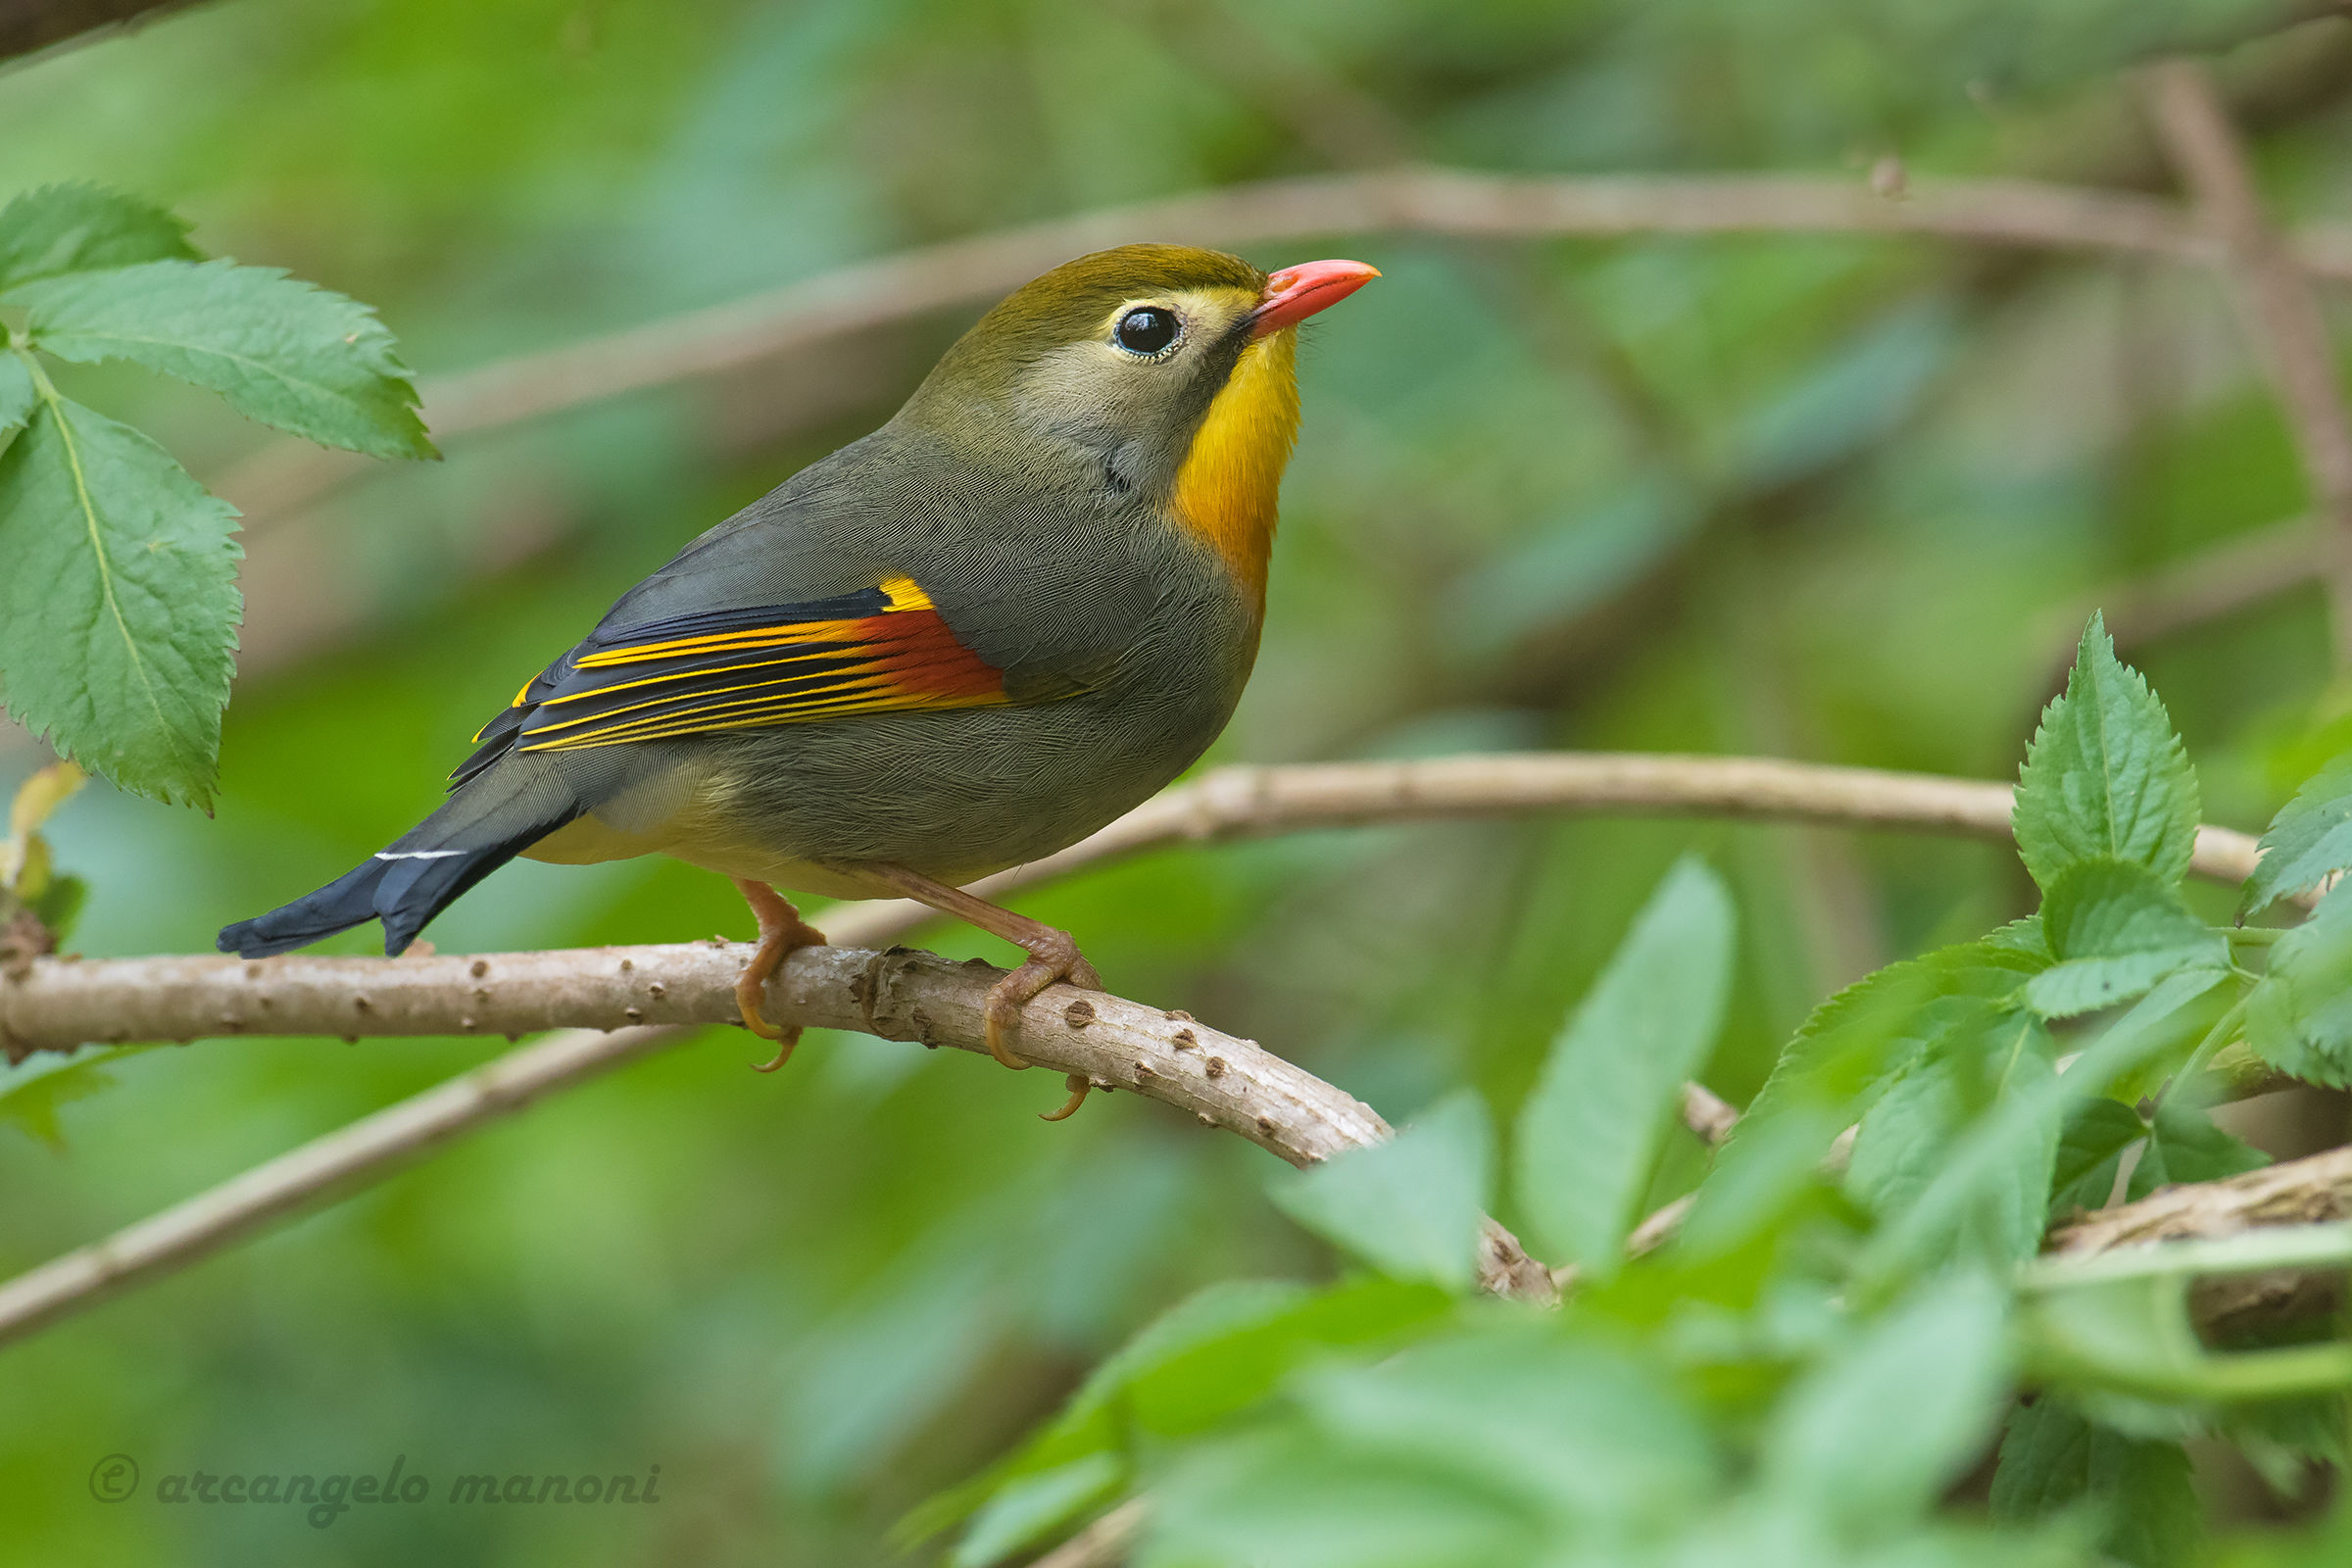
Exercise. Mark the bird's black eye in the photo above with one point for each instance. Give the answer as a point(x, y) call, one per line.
point(1146, 329)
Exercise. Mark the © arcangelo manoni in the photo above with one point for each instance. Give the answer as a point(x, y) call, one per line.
point(327, 1498)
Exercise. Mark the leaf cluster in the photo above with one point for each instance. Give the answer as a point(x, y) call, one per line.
point(1845, 1326)
point(119, 610)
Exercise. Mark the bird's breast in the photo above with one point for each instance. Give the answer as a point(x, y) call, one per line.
point(1228, 487)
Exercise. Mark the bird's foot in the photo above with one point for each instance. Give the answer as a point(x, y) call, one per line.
point(1052, 955)
point(781, 930)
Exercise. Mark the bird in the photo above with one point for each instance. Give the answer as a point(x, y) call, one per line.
point(1022, 606)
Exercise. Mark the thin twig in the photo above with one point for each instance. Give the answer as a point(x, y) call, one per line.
point(61, 1003)
point(2280, 307)
point(1401, 201)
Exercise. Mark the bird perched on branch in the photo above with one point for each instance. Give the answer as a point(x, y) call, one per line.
point(962, 643)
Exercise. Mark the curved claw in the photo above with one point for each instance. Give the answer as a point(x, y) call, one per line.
point(785, 1041)
point(1080, 1087)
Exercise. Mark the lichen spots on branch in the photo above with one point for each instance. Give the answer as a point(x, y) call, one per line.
point(1227, 490)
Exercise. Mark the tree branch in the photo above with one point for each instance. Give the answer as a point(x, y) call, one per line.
point(61, 1003)
point(650, 1002)
point(2282, 309)
point(1411, 200)
point(2296, 1191)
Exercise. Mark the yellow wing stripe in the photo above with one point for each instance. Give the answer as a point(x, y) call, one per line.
point(697, 674)
point(867, 678)
point(901, 592)
point(699, 721)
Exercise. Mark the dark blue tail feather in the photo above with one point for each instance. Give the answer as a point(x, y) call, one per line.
point(404, 886)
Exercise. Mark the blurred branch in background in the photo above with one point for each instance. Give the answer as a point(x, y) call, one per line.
point(30, 26)
point(2275, 294)
point(60, 1004)
point(1424, 201)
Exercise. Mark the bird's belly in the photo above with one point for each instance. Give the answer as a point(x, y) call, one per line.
point(955, 795)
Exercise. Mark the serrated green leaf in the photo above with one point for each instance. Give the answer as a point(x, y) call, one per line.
point(2299, 1015)
point(2183, 1145)
point(2308, 839)
point(1591, 1131)
point(119, 608)
point(2105, 777)
point(2090, 1153)
point(1855, 1045)
point(79, 227)
point(2116, 929)
point(2052, 1459)
point(1871, 1435)
point(1410, 1207)
point(17, 393)
point(281, 351)
point(1991, 1187)
point(1974, 1185)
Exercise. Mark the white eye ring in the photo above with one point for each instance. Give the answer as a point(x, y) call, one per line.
point(1137, 333)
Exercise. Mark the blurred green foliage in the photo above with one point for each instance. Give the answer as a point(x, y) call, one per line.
point(1840, 498)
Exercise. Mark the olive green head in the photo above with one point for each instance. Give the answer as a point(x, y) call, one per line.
point(1112, 360)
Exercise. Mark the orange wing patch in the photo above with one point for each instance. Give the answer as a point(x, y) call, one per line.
point(885, 649)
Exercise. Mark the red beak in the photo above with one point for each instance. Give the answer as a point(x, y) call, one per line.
point(1298, 292)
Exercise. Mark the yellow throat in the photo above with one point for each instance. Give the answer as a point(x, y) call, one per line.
point(1226, 489)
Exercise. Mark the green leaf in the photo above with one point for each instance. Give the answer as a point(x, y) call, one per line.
point(1969, 1176)
point(59, 904)
point(119, 605)
point(79, 227)
point(30, 1097)
point(1410, 1207)
point(17, 393)
point(1856, 1044)
point(1579, 1432)
point(2053, 1459)
point(281, 351)
point(2299, 1015)
point(2091, 1151)
point(1216, 1352)
point(1589, 1132)
point(1991, 1186)
point(2105, 777)
point(2184, 1146)
point(1870, 1437)
point(1287, 1496)
point(2116, 929)
point(2308, 839)
point(1032, 1507)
